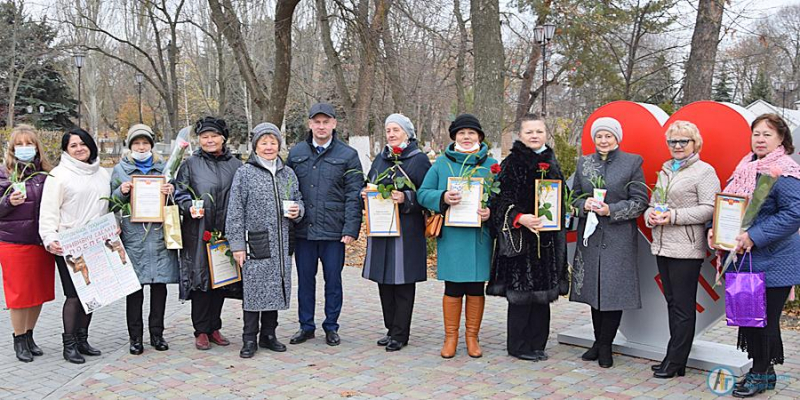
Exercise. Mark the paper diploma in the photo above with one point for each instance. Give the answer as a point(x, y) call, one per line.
point(728, 216)
point(383, 217)
point(147, 201)
point(465, 213)
point(223, 272)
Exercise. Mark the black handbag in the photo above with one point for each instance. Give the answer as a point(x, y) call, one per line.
point(257, 245)
point(511, 242)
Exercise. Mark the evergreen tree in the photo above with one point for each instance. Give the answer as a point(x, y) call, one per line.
point(760, 90)
point(26, 51)
point(45, 86)
point(721, 90)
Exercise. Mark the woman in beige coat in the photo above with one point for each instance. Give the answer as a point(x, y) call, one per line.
point(679, 236)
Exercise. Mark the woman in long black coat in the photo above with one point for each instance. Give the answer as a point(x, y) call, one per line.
point(209, 171)
point(538, 275)
point(396, 264)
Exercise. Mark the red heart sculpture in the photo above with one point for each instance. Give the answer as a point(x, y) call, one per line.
point(725, 129)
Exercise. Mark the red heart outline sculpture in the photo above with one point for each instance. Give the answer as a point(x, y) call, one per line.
point(725, 129)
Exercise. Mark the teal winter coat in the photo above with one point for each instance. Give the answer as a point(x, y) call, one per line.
point(463, 254)
point(144, 242)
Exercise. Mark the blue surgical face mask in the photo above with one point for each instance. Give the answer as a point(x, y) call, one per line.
point(25, 153)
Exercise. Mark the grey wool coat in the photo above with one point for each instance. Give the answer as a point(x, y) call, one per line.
point(144, 242)
point(255, 205)
point(605, 273)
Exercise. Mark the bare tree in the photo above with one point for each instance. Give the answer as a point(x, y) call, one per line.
point(489, 67)
point(705, 40)
point(271, 103)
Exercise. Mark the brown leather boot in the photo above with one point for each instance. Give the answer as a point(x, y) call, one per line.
point(451, 309)
point(474, 315)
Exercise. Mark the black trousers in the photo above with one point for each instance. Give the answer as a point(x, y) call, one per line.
point(605, 325)
point(528, 327)
point(460, 289)
point(133, 311)
point(269, 321)
point(397, 302)
point(679, 279)
point(764, 345)
point(206, 311)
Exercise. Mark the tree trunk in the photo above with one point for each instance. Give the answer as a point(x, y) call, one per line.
point(700, 66)
point(489, 65)
point(224, 16)
point(526, 87)
point(284, 11)
point(334, 61)
point(460, 58)
point(366, 73)
point(393, 71)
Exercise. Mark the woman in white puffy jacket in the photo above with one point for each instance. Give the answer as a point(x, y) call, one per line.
point(72, 197)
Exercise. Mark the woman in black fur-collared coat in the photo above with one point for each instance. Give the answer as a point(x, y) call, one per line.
point(536, 277)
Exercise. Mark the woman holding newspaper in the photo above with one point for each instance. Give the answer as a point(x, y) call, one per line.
point(73, 196)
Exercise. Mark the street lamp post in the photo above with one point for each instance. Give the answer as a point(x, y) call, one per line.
point(543, 34)
point(139, 79)
point(785, 88)
point(79, 64)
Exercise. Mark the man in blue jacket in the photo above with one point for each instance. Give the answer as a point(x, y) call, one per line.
point(330, 178)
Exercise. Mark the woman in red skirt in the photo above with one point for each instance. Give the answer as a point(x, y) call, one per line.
point(28, 269)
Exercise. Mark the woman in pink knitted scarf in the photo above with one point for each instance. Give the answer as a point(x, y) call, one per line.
point(773, 241)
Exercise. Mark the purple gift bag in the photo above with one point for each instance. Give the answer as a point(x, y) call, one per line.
point(746, 297)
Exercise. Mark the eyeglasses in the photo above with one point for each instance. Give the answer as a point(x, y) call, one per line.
point(681, 142)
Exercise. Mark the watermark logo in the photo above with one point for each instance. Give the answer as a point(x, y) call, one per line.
point(721, 381)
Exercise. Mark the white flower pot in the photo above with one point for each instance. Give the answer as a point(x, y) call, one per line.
point(286, 205)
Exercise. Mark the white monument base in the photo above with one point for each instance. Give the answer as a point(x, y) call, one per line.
point(704, 356)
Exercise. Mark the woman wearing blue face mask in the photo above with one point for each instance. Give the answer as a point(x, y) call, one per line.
point(28, 269)
point(144, 242)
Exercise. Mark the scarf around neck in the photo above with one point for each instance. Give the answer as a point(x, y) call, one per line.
point(776, 163)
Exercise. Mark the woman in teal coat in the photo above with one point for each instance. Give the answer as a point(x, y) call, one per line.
point(464, 254)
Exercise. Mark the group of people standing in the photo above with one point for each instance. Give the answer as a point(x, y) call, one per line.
point(310, 206)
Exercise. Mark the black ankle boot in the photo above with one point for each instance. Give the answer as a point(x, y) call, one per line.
point(771, 377)
point(21, 348)
point(137, 347)
point(71, 353)
point(249, 348)
point(604, 356)
point(591, 354)
point(753, 384)
point(81, 336)
point(669, 370)
point(35, 350)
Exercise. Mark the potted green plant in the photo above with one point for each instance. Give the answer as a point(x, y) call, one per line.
point(18, 179)
point(599, 188)
point(570, 199)
point(197, 201)
point(287, 201)
point(659, 193)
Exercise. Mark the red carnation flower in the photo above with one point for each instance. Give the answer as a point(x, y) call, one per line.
point(397, 150)
point(544, 166)
point(495, 168)
point(206, 236)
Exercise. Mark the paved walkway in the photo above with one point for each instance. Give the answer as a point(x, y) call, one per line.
point(357, 368)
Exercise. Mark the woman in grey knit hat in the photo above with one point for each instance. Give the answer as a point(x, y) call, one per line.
point(265, 200)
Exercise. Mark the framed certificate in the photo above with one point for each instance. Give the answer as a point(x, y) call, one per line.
point(383, 215)
point(222, 270)
point(147, 201)
point(547, 195)
point(728, 215)
point(465, 213)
